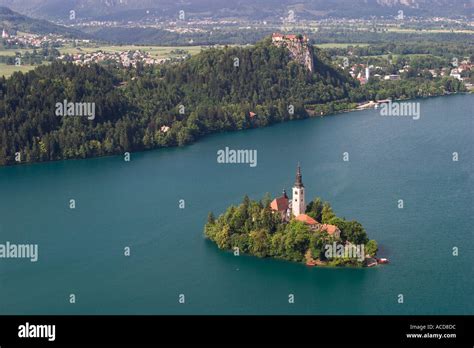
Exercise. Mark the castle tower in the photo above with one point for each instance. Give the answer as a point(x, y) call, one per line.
point(298, 205)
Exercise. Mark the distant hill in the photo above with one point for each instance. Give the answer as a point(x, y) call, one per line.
point(250, 9)
point(14, 21)
point(227, 89)
point(264, 85)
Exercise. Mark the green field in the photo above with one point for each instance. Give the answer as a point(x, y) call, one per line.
point(7, 70)
point(396, 56)
point(430, 31)
point(155, 51)
point(6, 52)
point(340, 45)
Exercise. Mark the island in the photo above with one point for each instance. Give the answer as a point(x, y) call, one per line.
point(289, 229)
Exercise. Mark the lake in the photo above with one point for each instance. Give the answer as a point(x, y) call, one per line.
point(136, 204)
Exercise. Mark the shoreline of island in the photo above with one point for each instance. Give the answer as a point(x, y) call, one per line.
point(289, 229)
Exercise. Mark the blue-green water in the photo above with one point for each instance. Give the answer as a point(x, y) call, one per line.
point(135, 204)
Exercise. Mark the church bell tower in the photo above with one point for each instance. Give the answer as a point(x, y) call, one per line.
point(298, 205)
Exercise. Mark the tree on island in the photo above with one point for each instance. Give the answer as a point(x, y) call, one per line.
point(327, 214)
point(255, 229)
point(315, 209)
point(371, 247)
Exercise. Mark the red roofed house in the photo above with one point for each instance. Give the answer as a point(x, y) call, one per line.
point(277, 37)
point(331, 230)
point(308, 220)
point(314, 225)
point(281, 205)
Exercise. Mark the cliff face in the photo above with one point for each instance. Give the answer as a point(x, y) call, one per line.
point(299, 48)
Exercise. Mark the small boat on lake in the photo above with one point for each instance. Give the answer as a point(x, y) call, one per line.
point(382, 260)
point(372, 264)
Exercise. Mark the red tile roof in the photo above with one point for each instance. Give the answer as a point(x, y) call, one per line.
point(306, 219)
point(330, 229)
point(279, 204)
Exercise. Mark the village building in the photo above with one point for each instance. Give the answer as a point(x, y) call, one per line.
point(456, 74)
point(281, 205)
point(392, 77)
point(164, 129)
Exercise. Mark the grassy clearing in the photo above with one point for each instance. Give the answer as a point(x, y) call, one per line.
point(8, 70)
point(430, 31)
point(340, 45)
point(396, 56)
point(12, 52)
point(155, 51)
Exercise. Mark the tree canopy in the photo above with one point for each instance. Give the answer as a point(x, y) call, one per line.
point(253, 228)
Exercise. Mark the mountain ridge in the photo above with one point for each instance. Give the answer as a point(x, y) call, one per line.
point(12, 20)
point(264, 9)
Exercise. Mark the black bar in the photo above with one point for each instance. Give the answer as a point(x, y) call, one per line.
point(290, 330)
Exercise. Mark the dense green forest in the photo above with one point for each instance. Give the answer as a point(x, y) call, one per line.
point(207, 93)
point(255, 229)
point(217, 90)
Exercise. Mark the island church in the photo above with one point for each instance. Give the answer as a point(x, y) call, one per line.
point(297, 207)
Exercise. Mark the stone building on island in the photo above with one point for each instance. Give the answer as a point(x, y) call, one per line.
point(296, 208)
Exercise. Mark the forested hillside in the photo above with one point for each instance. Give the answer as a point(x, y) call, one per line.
point(220, 89)
point(18, 22)
point(217, 90)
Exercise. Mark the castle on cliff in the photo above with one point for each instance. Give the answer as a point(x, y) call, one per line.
point(299, 48)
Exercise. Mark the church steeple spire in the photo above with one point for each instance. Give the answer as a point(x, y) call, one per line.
point(298, 205)
point(299, 177)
